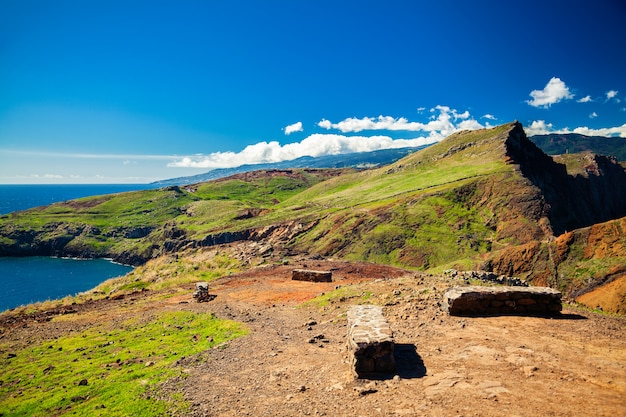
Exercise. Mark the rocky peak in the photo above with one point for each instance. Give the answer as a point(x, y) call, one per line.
point(579, 199)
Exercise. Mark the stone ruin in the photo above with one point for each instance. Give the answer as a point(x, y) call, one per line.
point(311, 275)
point(497, 301)
point(201, 293)
point(486, 276)
point(370, 342)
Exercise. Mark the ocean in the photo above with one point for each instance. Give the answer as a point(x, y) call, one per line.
point(32, 279)
point(22, 197)
point(39, 278)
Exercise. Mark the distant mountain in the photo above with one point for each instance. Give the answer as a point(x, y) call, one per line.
point(358, 160)
point(558, 144)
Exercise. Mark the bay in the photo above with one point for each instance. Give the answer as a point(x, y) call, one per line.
point(32, 279)
point(38, 278)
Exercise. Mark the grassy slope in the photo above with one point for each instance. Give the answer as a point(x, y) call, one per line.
point(450, 205)
point(107, 369)
point(410, 213)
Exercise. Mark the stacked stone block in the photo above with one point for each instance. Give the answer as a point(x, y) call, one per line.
point(495, 301)
point(312, 276)
point(370, 342)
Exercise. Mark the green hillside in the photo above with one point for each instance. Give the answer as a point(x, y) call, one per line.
point(461, 203)
point(410, 192)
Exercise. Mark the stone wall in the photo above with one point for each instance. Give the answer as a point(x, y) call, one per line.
point(310, 275)
point(495, 301)
point(485, 276)
point(370, 341)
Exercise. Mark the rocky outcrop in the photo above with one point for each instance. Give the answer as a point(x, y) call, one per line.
point(485, 276)
point(594, 195)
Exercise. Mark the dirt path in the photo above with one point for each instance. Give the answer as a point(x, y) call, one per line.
point(295, 362)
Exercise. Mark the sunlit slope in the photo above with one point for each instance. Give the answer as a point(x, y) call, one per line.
point(487, 199)
point(135, 226)
point(442, 205)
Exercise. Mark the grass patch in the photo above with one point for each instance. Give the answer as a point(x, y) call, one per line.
point(169, 272)
point(119, 367)
point(341, 294)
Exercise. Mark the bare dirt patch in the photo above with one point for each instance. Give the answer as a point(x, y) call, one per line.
point(608, 297)
point(295, 361)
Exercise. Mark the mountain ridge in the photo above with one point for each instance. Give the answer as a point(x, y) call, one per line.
point(358, 160)
point(565, 143)
point(488, 199)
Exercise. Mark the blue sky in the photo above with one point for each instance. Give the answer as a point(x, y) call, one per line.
point(136, 91)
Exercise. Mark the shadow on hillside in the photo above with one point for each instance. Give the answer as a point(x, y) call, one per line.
point(409, 363)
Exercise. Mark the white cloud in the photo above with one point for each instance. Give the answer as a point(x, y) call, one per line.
point(445, 121)
point(540, 127)
point(440, 125)
point(315, 145)
point(611, 94)
point(593, 115)
point(489, 116)
point(325, 124)
point(586, 99)
point(296, 127)
point(354, 125)
point(609, 131)
point(554, 91)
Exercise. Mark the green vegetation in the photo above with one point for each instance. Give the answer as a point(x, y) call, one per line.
point(107, 370)
point(340, 294)
point(172, 272)
point(408, 213)
point(448, 205)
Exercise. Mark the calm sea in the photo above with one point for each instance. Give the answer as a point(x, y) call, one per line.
point(37, 278)
point(31, 279)
point(22, 197)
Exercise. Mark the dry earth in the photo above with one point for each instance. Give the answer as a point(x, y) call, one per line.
point(295, 361)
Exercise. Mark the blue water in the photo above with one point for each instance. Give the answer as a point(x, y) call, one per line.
point(32, 279)
point(22, 197)
point(38, 278)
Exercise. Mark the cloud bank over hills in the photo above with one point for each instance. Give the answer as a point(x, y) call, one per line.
point(442, 122)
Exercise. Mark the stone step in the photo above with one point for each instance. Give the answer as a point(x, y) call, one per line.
point(370, 341)
point(505, 300)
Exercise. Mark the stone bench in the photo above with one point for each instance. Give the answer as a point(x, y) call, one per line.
point(370, 341)
point(496, 301)
point(312, 276)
